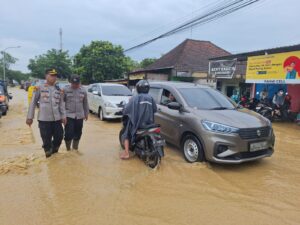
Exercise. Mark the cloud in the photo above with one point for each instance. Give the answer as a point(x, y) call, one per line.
point(35, 24)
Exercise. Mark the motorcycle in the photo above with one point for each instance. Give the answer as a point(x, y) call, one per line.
point(148, 144)
point(282, 114)
point(265, 110)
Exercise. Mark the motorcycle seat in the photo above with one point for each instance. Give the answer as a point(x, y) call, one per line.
point(148, 127)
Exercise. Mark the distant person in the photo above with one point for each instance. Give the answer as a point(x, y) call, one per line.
point(264, 94)
point(235, 97)
point(51, 113)
point(170, 99)
point(278, 101)
point(31, 90)
point(77, 109)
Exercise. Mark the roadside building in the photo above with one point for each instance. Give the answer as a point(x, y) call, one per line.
point(123, 81)
point(186, 62)
point(252, 72)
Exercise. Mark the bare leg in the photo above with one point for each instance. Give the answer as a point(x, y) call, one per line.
point(125, 154)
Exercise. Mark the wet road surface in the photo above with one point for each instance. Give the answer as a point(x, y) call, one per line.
point(93, 186)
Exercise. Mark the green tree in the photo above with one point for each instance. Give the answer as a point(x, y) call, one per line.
point(60, 60)
point(17, 75)
point(11, 74)
point(9, 60)
point(101, 60)
point(147, 62)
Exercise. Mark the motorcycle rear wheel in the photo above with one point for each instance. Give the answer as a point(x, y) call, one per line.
point(153, 161)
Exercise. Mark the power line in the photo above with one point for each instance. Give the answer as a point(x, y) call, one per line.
point(214, 17)
point(175, 22)
point(216, 13)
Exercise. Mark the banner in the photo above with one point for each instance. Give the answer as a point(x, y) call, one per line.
point(139, 76)
point(281, 68)
point(222, 68)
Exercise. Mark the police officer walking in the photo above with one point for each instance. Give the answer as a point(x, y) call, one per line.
point(51, 113)
point(77, 109)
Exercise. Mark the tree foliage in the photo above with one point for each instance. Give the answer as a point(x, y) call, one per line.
point(147, 62)
point(17, 75)
point(11, 74)
point(9, 60)
point(101, 60)
point(60, 60)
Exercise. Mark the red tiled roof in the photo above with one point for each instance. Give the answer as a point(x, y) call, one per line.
point(190, 55)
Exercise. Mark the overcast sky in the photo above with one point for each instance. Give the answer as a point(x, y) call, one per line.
point(34, 25)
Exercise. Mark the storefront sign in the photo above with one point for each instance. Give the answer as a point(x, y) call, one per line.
point(222, 68)
point(183, 74)
point(281, 68)
point(139, 76)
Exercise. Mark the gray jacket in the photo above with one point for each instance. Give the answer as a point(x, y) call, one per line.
point(76, 102)
point(51, 100)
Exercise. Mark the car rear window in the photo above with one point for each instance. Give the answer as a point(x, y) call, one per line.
point(206, 98)
point(116, 91)
point(1, 90)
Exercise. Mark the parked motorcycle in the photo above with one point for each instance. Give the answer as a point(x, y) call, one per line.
point(282, 114)
point(265, 110)
point(148, 144)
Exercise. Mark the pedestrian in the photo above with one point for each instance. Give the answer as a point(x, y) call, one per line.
point(51, 112)
point(77, 109)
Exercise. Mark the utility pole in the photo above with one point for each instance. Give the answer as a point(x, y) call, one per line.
point(60, 38)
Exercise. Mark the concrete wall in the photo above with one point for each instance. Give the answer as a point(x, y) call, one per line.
point(156, 76)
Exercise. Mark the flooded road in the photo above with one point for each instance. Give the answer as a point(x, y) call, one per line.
point(93, 186)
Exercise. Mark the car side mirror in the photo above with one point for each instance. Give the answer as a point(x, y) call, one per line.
point(174, 106)
point(97, 93)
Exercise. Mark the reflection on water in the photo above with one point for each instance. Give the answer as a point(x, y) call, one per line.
point(93, 186)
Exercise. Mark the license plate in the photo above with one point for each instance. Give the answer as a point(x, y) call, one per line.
point(160, 143)
point(258, 146)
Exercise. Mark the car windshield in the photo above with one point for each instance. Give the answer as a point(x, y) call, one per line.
point(206, 98)
point(116, 91)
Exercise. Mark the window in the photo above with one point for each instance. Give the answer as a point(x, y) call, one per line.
point(167, 97)
point(95, 88)
point(116, 91)
point(206, 98)
point(90, 88)
point(154, 92)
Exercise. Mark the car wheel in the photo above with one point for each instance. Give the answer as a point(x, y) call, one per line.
point(192, 149)
point(101, 114)
point(4, 113)
point(120, 138)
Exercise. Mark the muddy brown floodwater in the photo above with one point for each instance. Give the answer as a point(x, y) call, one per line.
point(94, 187)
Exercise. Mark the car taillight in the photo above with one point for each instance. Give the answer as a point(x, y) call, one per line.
point(157, 130)
point(2, 98)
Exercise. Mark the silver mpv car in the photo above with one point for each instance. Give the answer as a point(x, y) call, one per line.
point(207, 125)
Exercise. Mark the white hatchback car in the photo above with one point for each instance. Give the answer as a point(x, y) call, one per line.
point(108, 100)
